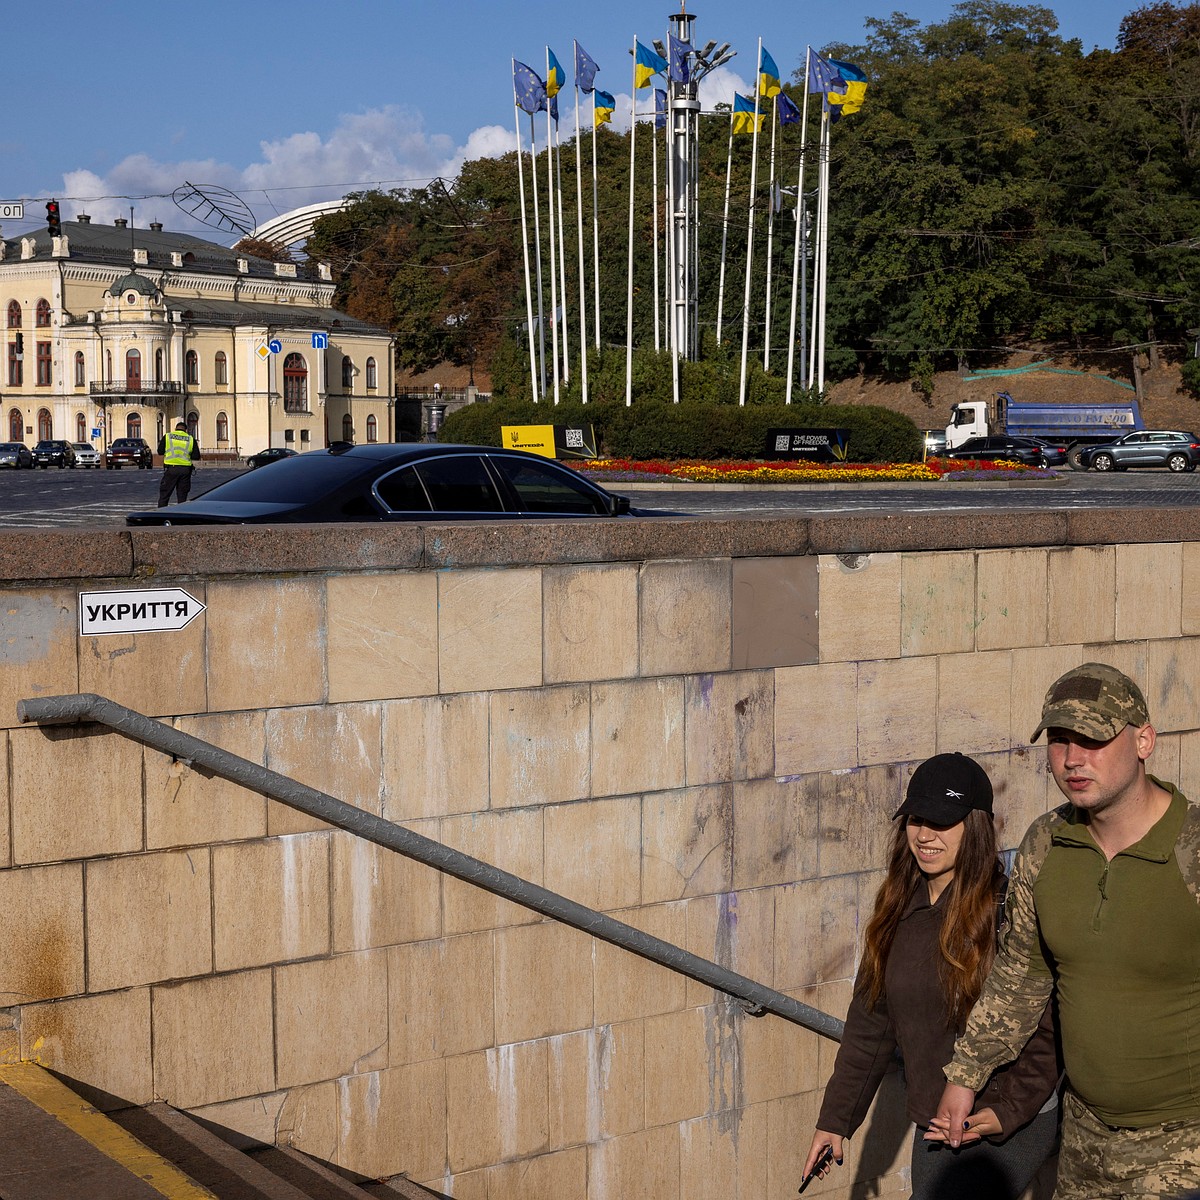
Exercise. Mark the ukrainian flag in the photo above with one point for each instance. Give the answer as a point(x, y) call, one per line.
point(851, 100)
point(602, 107)
point(555, 77)
point(768, 75)
point(744, 120)
point(646, 64)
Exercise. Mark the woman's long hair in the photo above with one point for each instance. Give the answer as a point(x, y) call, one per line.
point(967, 941)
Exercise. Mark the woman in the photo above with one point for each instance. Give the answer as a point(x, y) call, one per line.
point(927, 950)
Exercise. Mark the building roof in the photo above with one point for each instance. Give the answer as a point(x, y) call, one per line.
point(202, 311)
point(135, 282)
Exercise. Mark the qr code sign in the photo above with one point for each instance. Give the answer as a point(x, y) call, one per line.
point(782, 441)
point(575, 439)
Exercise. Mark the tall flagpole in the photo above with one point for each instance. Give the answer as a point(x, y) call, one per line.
point(537, 241)
point(525, 243)
point(725, 229)
point(629, 271)
point(550, 228)
point(770, 237)
point(800, 215)
point(595, 225)
point(750, 233)
point(562, 255)
point(818, 238)
point(583, 374)
point(673, 273)
point(654, 232)
point(824, 256)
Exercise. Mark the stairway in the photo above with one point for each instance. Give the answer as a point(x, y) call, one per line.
point(58, 1147)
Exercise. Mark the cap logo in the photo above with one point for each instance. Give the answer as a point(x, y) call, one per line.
point(953, 794)
point(1076, 688)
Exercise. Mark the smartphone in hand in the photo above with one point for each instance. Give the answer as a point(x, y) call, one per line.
point(823, 1160)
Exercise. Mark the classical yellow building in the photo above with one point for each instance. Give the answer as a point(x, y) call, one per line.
point(111, 331)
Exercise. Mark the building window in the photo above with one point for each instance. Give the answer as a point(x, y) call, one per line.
point(15, 374)
point(347, 429)
point(14, 315)
point(295, 384)
point(304, 437)
point(222, 427)
point(42, 319)
point(81, 429)
point(43, 364)
point(347, 374)
point(372, 429)
point(220, 369)
point(133, 370)
point(191, 369)
point(16, 425)
point(133, 425)
point(158, 366)
point(372, 375)
point(45, 425)
point(79, 369)
point(193, 424)
point(289, 435)
point(108, 366)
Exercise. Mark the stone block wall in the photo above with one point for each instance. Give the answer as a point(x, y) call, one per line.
point(701, 727)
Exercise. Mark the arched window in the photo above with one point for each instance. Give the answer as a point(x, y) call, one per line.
point(222, 427)
point(14, 314)
point(81, 429)
point(158, 366)
point(372, 429)
point(191, 368)
point(193, 424)
point(347, 429)
point(347, 374)
point(45, 425)
point(108, 366)
point(16, 425)
point(133, 370)
point(220, 369)
point(42, 319)
point(295, 384)
point(372, 375)
point(79, 369)
point(133, 425)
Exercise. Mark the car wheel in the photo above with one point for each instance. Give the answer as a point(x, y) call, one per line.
point(1102, 462)
point(1177, 462)
point(1075, 458)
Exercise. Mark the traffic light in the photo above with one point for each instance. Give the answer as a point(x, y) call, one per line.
point(53, 219)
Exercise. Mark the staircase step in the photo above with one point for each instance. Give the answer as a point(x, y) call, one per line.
point(400, 1187)
point(313, 1178)
point(56, 1146)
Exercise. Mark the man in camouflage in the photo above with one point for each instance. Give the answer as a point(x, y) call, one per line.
point(1103, 912)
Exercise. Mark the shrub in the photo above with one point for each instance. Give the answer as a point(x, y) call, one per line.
point(1191, 377)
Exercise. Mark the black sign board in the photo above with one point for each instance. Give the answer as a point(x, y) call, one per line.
point(817, 445)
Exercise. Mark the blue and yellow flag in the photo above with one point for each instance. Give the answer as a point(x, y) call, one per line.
point(602, 107)
point(646, 63)
point(680, 54)
point(849, 100)
point(528, 88)
point(744, 119)
point(554, 74)
point(789, 114)
point(768, 75)
point(585, 69)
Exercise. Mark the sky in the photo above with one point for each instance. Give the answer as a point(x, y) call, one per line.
point(117, 105)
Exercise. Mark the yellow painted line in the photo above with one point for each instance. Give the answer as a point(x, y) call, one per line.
point(41, 1088)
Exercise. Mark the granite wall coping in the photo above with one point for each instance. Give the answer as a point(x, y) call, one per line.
point(42, 555)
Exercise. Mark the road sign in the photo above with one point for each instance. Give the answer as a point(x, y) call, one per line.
point(263, 353)
point(275, 345)
point(320, 341)
point(149, 610)
point(97, 433)
point(12, 210)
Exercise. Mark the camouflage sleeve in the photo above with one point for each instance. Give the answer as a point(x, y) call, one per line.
point(1019, 984)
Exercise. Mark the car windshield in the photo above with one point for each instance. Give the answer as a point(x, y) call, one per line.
point(295, 480)
point(81, 445)
point(10, 446)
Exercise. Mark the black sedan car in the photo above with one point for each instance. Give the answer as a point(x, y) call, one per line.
point(16, 454)
point(270, 455)
point(385, 481)
point(1001, 446)
point(53, 453)
point(1175, 449)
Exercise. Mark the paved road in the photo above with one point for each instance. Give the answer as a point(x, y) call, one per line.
point(102, 498)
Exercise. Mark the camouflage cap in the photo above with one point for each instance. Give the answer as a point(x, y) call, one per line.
point(1095, 700)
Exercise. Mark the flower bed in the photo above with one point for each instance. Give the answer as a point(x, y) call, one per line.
point(619, 470)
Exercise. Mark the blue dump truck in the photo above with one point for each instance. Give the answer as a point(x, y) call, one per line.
point(1076, 425)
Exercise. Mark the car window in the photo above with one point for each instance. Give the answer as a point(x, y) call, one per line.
point(459, 483)
point(297, 480)
point(546, 488)
point(402, 491)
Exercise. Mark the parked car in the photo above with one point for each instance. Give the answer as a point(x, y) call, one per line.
point(86, 455)
point(1056, 451)
point(386, 481)
point(1175, 449)
point(53, 453)
point(15, 454)
point(1012, 449)
point(129, 452)
point(273, 454)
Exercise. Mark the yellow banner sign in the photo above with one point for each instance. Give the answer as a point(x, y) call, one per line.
point(536, 439)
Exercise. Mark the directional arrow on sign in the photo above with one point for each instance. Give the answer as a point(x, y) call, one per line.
point(155, 610)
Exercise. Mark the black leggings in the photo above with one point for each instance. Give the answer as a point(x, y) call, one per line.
point(983, 1170)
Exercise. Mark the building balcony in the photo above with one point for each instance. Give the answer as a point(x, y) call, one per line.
point(147, 390)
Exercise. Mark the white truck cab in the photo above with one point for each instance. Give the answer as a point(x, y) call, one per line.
point(967, 420)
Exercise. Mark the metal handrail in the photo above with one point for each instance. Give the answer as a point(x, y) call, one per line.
point(756, 997)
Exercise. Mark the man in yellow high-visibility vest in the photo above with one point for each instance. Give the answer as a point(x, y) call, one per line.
point(179, 450)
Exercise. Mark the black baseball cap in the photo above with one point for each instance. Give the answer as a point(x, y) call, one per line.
point(943, 789)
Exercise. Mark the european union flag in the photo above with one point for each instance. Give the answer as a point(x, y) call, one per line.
point(768, 75)
point(660, 109)
point(585, 69)
point(744, 120)
point(602, 107)
point(554, 74)
point(528, 88)
point(823, 75)
point(789, 114)
point(646, 63)
point(680, 54)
